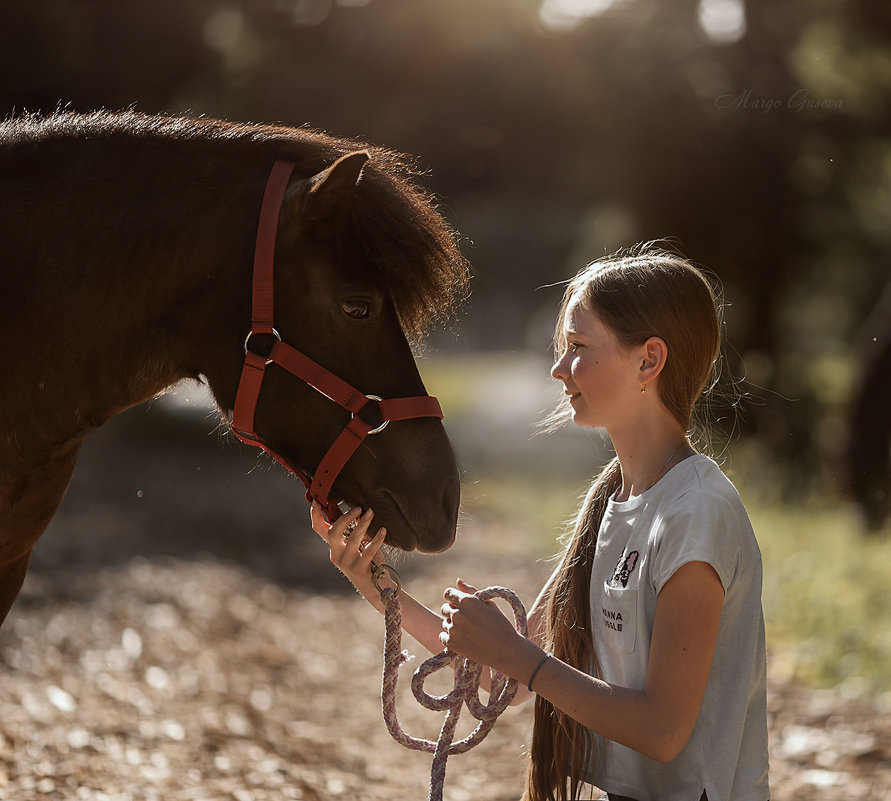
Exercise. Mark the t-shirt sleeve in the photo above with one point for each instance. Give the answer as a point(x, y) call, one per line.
point(700, 527)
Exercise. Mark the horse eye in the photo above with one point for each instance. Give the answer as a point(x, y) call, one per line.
point(357, 309)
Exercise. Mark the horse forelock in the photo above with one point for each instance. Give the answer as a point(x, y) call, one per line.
point(412, 249)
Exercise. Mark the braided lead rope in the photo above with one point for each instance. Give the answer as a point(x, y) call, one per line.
point(465, 691)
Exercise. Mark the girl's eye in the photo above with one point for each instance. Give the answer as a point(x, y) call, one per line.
point(357, 309)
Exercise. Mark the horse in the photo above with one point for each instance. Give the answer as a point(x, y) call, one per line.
point(133, 259)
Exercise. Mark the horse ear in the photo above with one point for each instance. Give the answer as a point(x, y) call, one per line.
point(328, 188)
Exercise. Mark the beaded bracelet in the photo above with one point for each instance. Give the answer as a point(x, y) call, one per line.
point(544, 659)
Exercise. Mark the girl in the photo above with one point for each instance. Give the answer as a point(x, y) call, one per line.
point(646, 650)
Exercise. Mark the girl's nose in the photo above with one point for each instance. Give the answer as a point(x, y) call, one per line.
point(559, 371)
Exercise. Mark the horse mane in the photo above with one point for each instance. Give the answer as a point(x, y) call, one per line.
point(414, 252)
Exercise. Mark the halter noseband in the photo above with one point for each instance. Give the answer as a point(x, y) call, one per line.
point(318, 486)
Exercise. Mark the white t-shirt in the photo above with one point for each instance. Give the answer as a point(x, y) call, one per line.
point(693, 513)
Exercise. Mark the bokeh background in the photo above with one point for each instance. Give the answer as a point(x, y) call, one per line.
point(755, 134)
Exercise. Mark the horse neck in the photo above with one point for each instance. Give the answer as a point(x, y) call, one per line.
point(132, 288)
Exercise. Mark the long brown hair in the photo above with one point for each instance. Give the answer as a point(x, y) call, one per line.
point(637, 293)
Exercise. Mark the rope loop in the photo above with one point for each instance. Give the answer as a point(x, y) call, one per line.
point(464, 693)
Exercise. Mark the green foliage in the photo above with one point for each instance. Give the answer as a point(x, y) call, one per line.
point(826, 595)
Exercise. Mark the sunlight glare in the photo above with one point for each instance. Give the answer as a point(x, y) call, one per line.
point(565, 15)
point(723, 21)
point(309, 13)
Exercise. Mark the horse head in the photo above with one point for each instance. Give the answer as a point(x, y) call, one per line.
point(335, 304)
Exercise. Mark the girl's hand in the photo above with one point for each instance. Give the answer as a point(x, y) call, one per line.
point(479, 631)
point(352, 549)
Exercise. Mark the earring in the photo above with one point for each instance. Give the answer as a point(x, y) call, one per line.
point(643, 387)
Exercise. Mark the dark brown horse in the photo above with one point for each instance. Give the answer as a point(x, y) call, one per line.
point(128, 244)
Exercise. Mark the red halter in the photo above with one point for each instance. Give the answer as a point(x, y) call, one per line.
point(320, 379)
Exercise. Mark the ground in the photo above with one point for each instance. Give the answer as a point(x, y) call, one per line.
point(199, 646)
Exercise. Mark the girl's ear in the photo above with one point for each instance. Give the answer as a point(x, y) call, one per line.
point(653, 355)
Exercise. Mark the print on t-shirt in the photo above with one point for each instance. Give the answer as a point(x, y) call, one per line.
point(624, 569)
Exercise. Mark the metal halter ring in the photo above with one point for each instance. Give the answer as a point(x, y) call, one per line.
point(247, 339)
point(380, 572)
point(384, 424)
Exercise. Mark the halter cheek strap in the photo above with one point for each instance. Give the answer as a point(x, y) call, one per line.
point(318, 486)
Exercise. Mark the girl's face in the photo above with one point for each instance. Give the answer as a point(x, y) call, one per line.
point(599, 373)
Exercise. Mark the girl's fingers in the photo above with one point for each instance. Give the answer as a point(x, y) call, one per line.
point(344, 526)
point(352, 549)
point(455, 595)
point(372, 547)
point(320, 523)
point(353, 526)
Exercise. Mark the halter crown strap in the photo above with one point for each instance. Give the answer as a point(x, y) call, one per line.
point(319, 486)
point(263, 292)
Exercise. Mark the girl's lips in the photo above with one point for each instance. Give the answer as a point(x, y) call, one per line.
point(573, 395)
